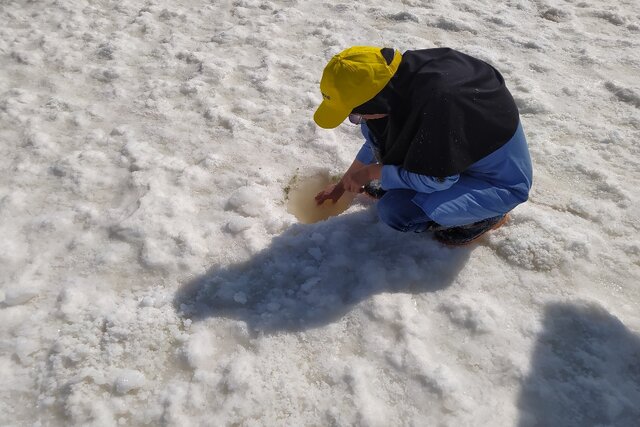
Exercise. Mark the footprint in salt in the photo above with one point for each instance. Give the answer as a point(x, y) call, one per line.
point(301, 198)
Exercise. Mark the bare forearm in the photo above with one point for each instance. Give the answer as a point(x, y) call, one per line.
point(354, 180)
point(356, 165)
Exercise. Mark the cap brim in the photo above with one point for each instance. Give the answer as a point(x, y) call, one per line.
point(328, 118)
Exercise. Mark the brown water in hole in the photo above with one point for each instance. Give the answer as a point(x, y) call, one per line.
point(302, 201)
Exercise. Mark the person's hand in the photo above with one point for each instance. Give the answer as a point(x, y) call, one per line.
point(333, 192)
point(355, 181)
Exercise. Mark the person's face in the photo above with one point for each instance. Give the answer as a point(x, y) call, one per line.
point(356, 119)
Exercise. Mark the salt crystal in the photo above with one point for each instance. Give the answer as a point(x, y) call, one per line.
point(128, 380)
point(147, 302)
point(240, 297)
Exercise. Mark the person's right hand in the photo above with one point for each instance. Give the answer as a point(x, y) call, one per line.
point(333, 192)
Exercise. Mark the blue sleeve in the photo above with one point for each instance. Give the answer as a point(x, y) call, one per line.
point(396, 177)
point(365, 155)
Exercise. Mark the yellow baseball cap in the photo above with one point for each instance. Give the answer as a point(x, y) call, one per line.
point(351, 78)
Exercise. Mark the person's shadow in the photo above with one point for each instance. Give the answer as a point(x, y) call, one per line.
point(585, 371)
point(313, 274)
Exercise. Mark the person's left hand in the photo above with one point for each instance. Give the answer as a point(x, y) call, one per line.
point(354, 181)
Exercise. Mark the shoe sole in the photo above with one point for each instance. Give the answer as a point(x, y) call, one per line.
point(495, 226)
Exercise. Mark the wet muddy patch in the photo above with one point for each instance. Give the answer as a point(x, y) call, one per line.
point(300, 196)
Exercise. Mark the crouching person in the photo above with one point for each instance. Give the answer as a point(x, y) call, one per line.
point(444, 148)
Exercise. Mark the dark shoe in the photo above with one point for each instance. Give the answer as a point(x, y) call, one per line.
point(465, 234)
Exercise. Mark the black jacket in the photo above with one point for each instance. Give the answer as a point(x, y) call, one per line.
point(447, 110)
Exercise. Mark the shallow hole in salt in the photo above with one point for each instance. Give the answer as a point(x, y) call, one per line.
point(301, 194)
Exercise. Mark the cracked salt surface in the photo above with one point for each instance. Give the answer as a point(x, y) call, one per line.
point(150, 272)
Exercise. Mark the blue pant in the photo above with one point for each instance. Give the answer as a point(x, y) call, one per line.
point(490, 187)
point(397, 210)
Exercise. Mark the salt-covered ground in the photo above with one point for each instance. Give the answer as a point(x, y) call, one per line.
point(151, 274)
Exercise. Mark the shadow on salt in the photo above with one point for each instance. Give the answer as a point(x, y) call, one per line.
point(585, 370)
point(313, 274)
